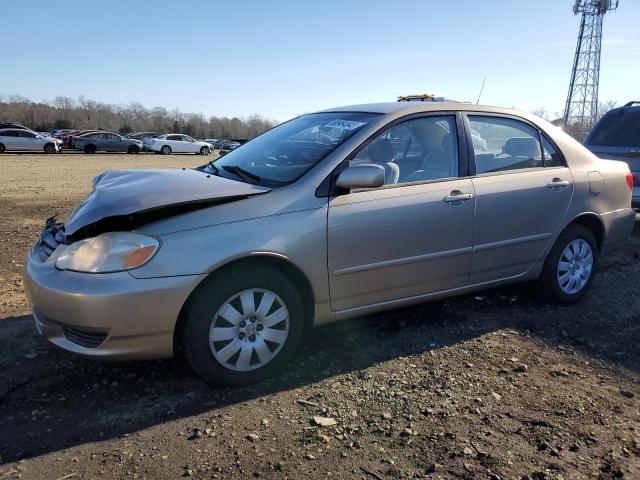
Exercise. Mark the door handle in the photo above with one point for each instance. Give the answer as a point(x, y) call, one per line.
point(557, 183)
point(456, 197)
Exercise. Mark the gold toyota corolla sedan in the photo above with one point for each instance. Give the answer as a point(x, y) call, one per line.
point(331, 215)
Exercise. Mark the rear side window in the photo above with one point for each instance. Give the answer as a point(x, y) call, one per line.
point(618, 128)
point(551, 156)
point(504, 144)
point(9, 133)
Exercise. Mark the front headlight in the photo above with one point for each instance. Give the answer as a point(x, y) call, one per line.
point(108, 252)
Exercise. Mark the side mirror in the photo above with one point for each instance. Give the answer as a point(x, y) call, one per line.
point(361, 176)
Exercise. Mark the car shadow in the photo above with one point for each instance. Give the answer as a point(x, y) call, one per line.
point(51, 400)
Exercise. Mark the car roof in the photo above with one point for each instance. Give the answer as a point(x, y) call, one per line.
point(417, 107)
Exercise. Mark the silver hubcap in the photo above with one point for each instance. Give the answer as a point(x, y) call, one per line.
point(574, 268)
point(249, 329)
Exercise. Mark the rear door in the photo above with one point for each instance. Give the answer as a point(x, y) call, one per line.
point(11, 139)
point(523, 189)
point(176, 143)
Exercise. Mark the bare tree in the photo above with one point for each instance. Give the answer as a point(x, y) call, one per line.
point(64, 112)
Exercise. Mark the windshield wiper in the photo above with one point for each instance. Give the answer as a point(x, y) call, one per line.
point(215, 169)
point(241, 172)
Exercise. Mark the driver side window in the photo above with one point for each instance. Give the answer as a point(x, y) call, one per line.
point(416, 150)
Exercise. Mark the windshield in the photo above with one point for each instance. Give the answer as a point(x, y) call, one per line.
point(620, 128)
point(285, 153)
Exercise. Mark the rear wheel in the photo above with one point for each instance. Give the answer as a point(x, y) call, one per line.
point(90, 149)
point(242, 328)
point(570, 266)
point(205, 151)
point(166, 150)
point(50, 148)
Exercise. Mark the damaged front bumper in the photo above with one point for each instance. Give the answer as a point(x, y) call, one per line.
point(111, 315)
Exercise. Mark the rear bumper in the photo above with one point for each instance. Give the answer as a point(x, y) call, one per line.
point(618, 226)
point(114, 316)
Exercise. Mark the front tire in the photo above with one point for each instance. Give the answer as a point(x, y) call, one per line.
point(50, 148)
point(133, 149)
point(205, 151)
point(2, 149)
point(166, 150)
point(242, 325)
point(570, 266)
point(90, 149)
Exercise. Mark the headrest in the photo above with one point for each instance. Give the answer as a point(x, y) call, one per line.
point(522, 147)
point(381, 151)
point(446, 145)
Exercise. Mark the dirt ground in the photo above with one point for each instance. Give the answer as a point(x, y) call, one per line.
point(488, 386)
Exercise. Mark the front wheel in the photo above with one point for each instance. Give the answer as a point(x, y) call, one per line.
point(50, 148)
point(242, 328)
point(2, 148)
point(133, 149)
point(90, 149)
point(166, 150)
point(204, 151)
point(570, 266)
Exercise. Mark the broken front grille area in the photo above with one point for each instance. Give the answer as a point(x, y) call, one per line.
point(51, 236)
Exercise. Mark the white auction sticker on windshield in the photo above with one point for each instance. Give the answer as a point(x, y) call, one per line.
point(344, 124)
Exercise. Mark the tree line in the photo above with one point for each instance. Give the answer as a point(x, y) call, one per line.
point(84, 113)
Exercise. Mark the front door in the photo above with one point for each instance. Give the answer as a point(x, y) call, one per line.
point(411, 237)
point(523, 190)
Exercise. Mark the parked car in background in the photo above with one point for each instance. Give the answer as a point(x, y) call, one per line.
point(227, 145)
point(177, 143)
point(22, 140)
point(13, 125)
point(58, 133)
point(617, 137)
point(68, 137)
point(211, 140)
point(234, 261)
point(142, 135)
point(106, 142)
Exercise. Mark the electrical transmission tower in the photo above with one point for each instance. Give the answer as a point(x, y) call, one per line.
point(581, 109)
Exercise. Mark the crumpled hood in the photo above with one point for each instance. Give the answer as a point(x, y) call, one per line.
point(124, 192)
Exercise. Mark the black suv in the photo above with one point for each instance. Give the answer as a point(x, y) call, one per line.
point(617, 137)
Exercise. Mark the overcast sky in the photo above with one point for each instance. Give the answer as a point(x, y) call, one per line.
point(281, 58)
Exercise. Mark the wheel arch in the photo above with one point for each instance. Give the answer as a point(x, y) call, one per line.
point(593, 222)
point(273, 260)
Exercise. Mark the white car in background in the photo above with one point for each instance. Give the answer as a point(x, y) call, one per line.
point(23, 140)
point(177, 143)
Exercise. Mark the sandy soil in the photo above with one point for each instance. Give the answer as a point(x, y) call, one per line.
point(493, 385)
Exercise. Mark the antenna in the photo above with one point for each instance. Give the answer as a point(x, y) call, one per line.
point(481, 90)
point(581, 109)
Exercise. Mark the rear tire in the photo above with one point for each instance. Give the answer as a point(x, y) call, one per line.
point(90, 149)
point(570, 266)
point(166, 150)
point(50, 148)
point(268, 345)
